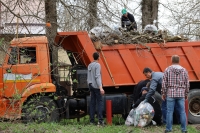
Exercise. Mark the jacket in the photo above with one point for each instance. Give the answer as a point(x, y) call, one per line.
point(94, 75)
point(128, 20)
point(155, 84)
point(175, 81)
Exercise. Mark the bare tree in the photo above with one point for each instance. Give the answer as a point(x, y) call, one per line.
point(149, 11)
point(92, 9)
point(51, 17)
point(74, 15)
point(182, 17)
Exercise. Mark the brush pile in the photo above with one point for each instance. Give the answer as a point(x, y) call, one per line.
point(134, 37)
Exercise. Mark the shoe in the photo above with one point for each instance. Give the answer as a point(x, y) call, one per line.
point(92, 123)
point(153, 122)
point(167, 131)
point(100, 124)
point(184, 131)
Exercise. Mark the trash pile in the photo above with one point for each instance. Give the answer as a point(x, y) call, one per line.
point(141, 116)
point(119, 36)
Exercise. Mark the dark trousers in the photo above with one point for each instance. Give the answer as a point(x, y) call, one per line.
point(96, 97)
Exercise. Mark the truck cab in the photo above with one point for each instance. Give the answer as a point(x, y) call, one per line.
point(24, 72)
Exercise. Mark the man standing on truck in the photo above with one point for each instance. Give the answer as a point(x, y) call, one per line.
point(128, 21)
point(155, 85)
point(175, 88)
point(95, 85)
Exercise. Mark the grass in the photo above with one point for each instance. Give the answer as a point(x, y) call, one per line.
point(72, 126)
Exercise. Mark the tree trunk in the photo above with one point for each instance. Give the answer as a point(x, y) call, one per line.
point(51, 17)
point(92, 10)
point(149, 12)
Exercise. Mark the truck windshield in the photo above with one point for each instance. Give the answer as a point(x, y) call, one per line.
point(22, 55)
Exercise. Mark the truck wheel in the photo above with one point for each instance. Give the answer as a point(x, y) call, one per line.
point(39, 110)
point(194, 106)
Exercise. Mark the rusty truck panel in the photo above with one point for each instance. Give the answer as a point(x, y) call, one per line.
point(122, 64)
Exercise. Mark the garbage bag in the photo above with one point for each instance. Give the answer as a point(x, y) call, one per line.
point(115, 30)
point(143, 114)
point(98, 32)
point(130, 118)
point(150, 28)
point(104, 31)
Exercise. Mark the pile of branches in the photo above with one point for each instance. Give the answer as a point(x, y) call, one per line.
point(134, 37)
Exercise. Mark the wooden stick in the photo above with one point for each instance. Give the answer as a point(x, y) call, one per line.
point(107, 66)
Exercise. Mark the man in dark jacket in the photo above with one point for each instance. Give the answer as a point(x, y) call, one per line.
point(128, 21)
point(138, 88)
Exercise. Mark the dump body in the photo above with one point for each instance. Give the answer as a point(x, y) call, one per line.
point(123, 64)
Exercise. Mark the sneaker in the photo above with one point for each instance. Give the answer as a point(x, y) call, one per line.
point(184, 131)
point(154, 123)
point(167, 131)
point(92, 123)
point(100, 124)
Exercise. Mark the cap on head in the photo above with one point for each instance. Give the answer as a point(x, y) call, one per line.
point(124, 11)
point(144, 88)
point(95, 55)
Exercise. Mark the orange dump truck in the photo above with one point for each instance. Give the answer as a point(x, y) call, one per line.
point(28, 86)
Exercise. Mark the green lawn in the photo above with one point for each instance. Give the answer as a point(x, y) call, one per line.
point(72, 126)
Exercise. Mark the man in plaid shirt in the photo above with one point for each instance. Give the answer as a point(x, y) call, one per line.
point(175, 87)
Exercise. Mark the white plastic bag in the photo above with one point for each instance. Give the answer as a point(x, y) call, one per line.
point(151, 28)
point(115, 30)
point(104, 31)
point(98, 32)
point(144, 113)
point(130, 118)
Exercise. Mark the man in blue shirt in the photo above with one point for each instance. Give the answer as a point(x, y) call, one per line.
point(155, 85)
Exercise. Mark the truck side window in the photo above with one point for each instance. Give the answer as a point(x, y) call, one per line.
point(13, 59)
point(27, 55)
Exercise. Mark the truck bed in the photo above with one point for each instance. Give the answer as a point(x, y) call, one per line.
point(122, 64)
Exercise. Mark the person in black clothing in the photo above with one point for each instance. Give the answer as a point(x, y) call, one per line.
point(128, 21)
point(32, 54)
point(158, 113)
point(138, 88)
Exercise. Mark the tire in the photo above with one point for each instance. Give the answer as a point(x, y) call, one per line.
point(194, 106)
point(42, 109)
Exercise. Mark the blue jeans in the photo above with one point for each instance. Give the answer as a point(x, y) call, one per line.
point(180, 108)
point(164, 111)
point(96, 97)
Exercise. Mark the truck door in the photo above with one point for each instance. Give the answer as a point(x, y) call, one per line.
point(20, 71)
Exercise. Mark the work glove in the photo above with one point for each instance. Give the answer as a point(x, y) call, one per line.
point(133, 106)
point(145, 101)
